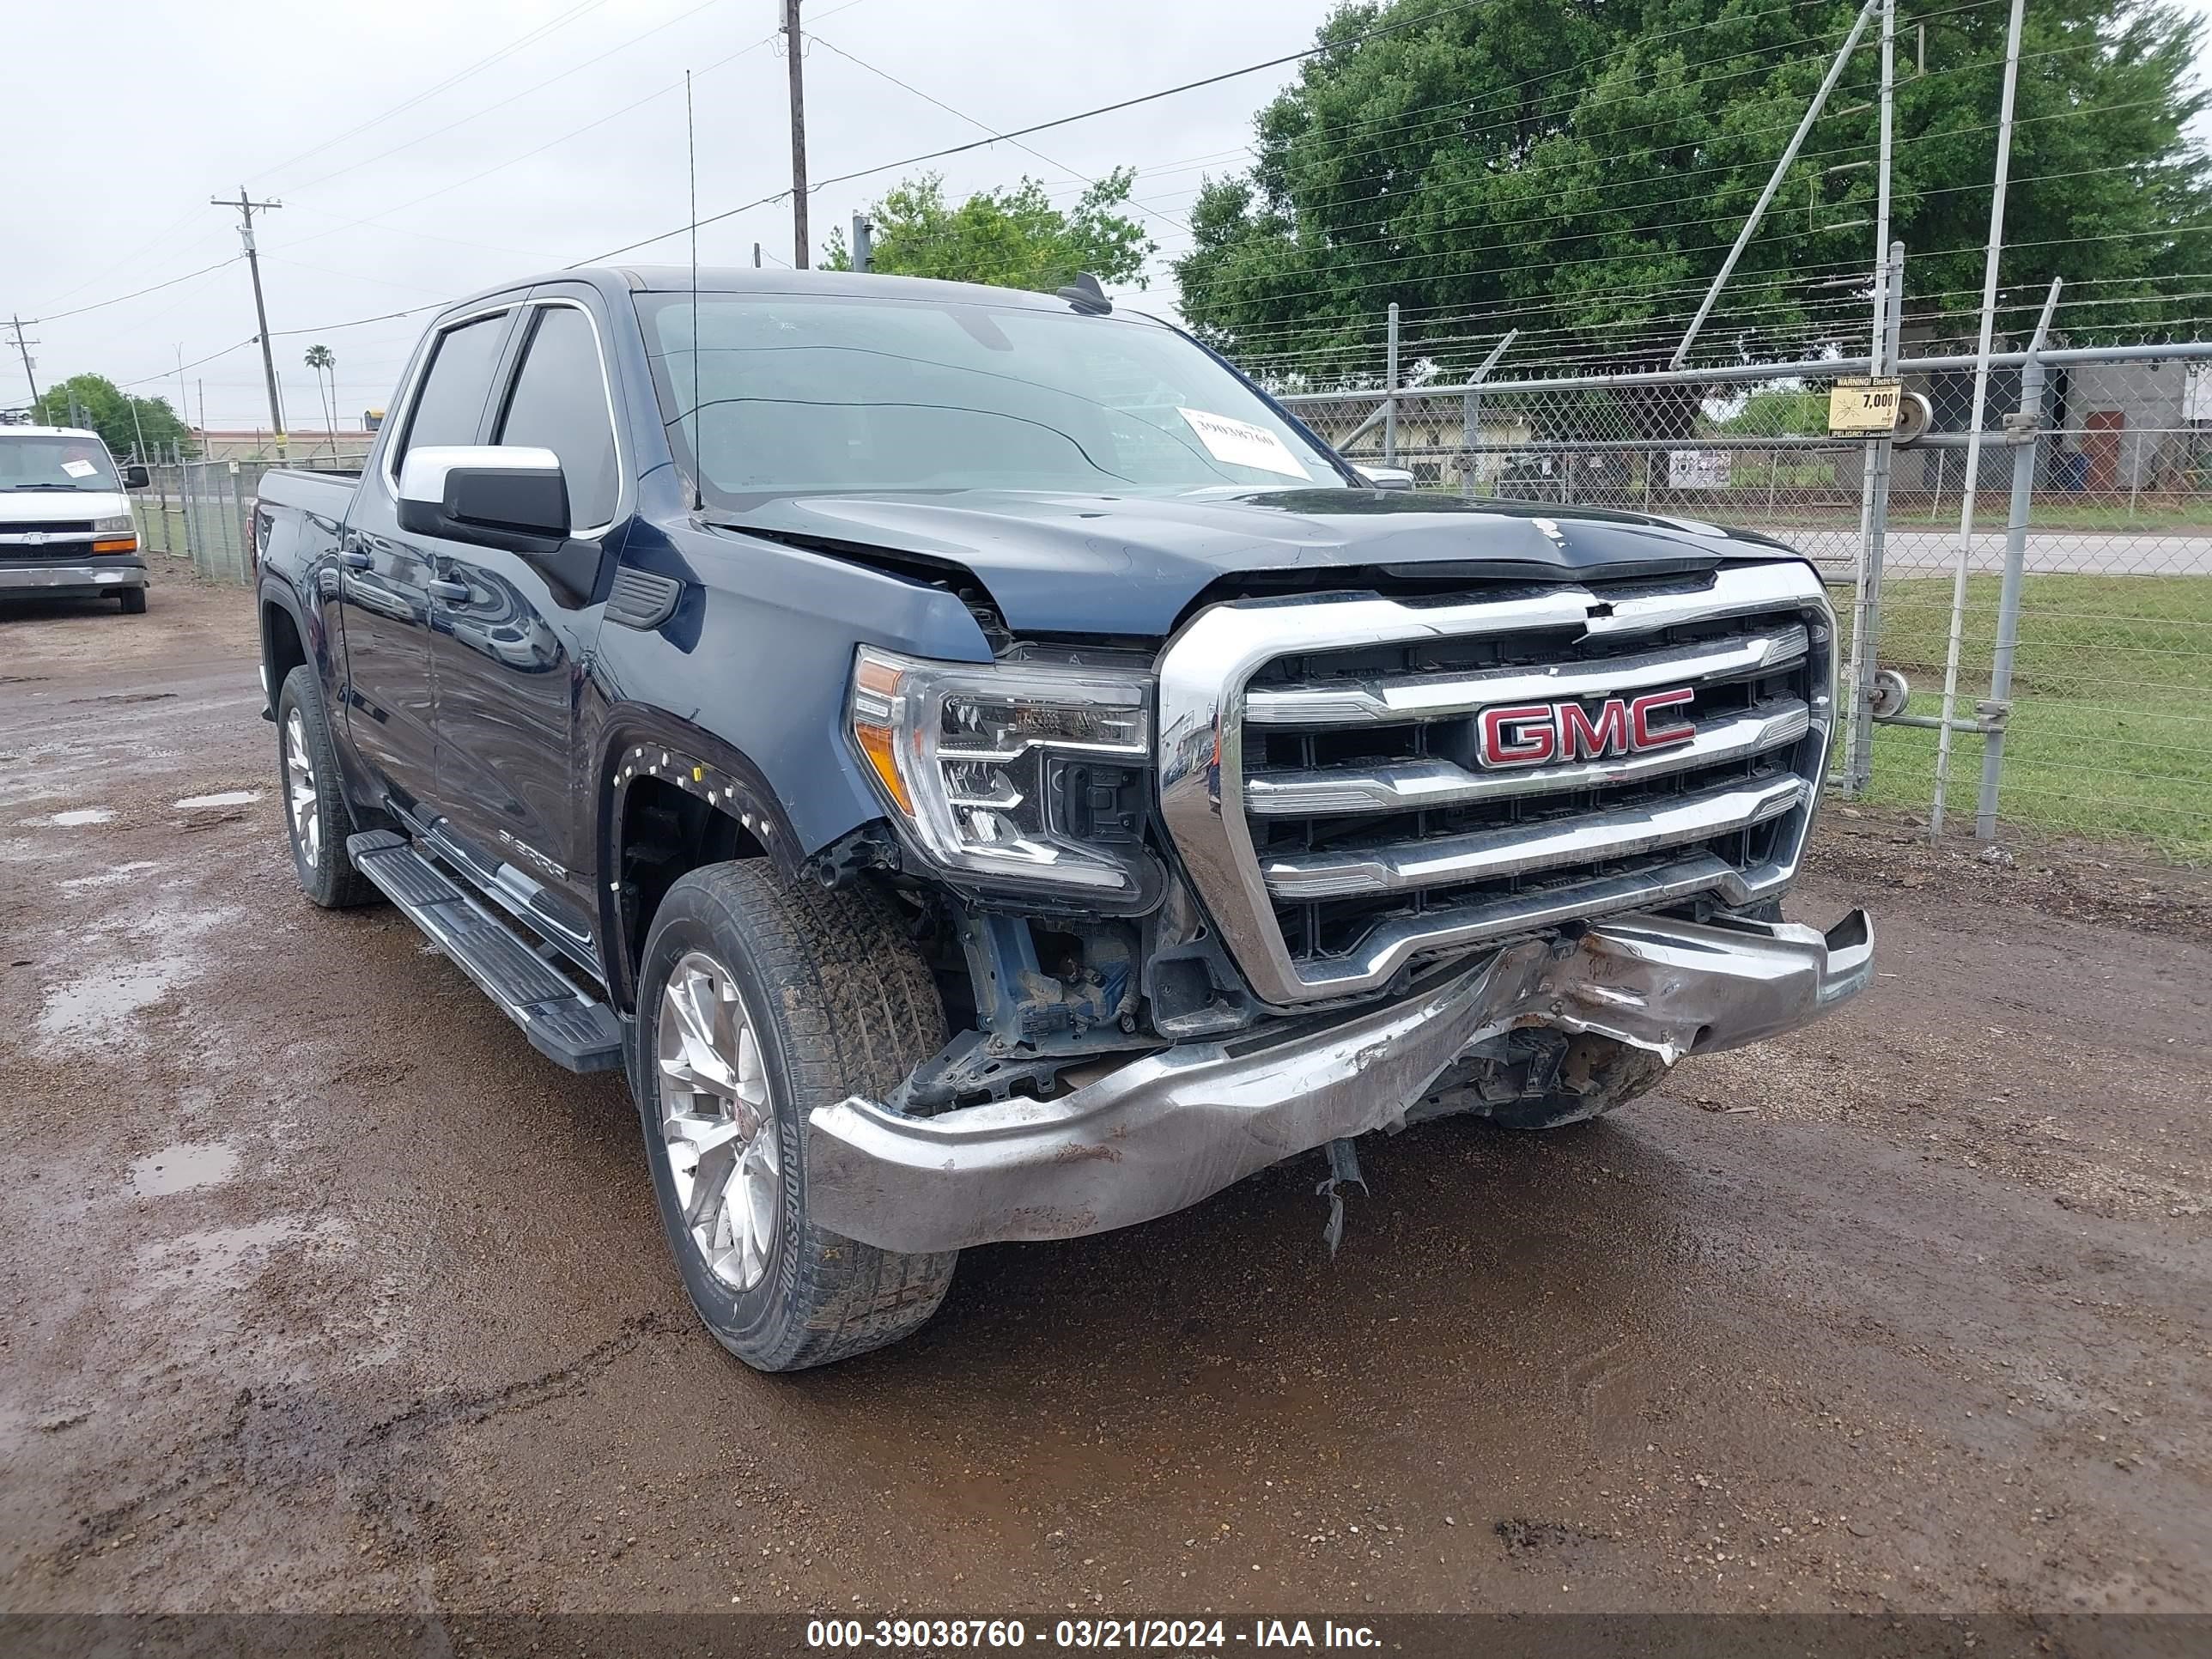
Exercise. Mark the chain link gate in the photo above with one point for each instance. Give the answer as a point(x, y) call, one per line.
point(202, 510)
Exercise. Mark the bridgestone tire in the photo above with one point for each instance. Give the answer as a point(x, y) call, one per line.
point(331, 880)
point(841, 1003)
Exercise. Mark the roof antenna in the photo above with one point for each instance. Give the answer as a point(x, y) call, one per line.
point(691, 156)
point(1087, 295)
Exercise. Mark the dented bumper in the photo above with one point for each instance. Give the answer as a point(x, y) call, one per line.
point(53, 579)
point(1163, 1132)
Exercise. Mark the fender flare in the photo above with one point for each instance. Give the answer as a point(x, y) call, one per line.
point(638, 742)
point(275, 590)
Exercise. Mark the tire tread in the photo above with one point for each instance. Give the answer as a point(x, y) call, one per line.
point(337, 886)
point(860, 1011)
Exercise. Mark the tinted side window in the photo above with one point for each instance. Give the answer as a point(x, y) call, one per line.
point(452, 400)
point(559, 404)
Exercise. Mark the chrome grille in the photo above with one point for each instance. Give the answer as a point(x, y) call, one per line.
point(1323, 784)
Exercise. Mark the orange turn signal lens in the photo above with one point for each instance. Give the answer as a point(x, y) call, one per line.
point(875, 745)
point(119, 544)
point(876, 686)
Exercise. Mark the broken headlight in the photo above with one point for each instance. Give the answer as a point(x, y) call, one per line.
point(1020, 773)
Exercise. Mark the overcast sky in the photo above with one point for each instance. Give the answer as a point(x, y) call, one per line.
point(141, 120)
point(400, 190)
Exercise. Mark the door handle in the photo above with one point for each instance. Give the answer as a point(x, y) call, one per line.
point(451, 593)
point(353, 558)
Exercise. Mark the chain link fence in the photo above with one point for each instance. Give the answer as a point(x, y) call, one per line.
point(202, 510)
point(2106, 731)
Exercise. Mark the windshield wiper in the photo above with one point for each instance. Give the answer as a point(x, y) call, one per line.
point(70, 487)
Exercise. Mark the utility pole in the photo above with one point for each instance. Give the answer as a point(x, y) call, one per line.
point(247, 207)
point(792, 53)
point(23, 350)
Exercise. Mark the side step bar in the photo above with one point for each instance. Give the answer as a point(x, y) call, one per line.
point(562, 1022)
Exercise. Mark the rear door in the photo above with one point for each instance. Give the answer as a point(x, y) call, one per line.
point(387, 603)
point(511, 640)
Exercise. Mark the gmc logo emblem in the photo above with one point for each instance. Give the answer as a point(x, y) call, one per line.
point(1535, 733)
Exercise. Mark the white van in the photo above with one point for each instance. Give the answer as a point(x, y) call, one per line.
point(65, 524)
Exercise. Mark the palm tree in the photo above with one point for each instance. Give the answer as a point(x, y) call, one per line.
point(326, 366)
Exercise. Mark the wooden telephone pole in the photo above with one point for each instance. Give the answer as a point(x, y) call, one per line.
point(246, 208)
point(792, 53)
point(23, 350)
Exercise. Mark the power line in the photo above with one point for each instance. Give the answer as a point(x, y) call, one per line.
point(962, 114)
point(537, 149)
point(530, 38)
point(1061, 121)
point(137, 293)
point(550, 79)
point(1401, 130)
point(180, 369)
point(1414, 258)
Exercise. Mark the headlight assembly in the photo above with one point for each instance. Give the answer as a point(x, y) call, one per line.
point(1017, 774)
point(121, 525)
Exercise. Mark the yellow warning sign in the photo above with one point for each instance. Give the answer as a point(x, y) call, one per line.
point(1860, 408)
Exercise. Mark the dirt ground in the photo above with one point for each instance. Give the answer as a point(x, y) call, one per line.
point(322, 1292)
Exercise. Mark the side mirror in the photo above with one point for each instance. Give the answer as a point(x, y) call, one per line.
point(136, 477)
point(1385, 478)
point(503, 495)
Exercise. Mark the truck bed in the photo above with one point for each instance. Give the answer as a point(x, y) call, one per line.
point(329, 493)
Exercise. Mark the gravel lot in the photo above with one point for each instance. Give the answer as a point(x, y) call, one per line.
point(324, 1292)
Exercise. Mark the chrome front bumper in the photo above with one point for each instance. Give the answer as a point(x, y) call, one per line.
point(40, 577)
point(1167, 1130)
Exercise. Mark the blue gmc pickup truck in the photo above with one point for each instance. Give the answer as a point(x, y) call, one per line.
point(983, 770)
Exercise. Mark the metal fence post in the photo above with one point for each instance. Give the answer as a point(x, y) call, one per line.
point(237, 536)
point(1390, 392)
point(186, 513)
point(1470, 434)
point(1873, 538)
point(1470, 412)
point(2026, 427)
point(1972, 489)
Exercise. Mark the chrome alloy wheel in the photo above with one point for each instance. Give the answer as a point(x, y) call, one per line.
point(718, 1122)
point(300, 797)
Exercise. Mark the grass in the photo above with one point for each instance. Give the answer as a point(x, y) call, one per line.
point(2110, 735)
point(155, 540)
point(2052, 512)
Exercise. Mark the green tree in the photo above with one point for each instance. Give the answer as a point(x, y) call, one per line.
point(119, 418)
point(1777, 411)
point(1578, 171)
point(1013, 238)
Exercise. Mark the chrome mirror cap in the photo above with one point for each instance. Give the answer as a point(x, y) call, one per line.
point(423, 473)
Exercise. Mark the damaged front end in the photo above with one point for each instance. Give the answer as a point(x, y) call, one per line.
point(1163, 1130)
point(1326, 864)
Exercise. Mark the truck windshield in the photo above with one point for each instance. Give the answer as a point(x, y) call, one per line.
point(43, 462)
point(805, 393)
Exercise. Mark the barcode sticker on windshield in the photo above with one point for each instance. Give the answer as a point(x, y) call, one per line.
point(1240, 443)
point(79, 468)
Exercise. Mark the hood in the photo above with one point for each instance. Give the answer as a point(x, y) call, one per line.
point(1131, 565)
point(65, 506)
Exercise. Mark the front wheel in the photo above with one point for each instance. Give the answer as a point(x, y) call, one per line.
point(758, 1001)
point(132, 601)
